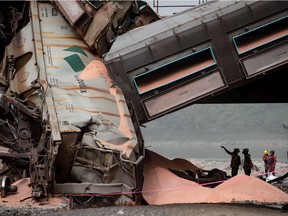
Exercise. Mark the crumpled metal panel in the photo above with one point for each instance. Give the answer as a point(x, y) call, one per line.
point(22, 49)
point(75, 119)
point(84, 96)
point(13, 17)
point(71, 10)
point(100, 22)
point(66, 56)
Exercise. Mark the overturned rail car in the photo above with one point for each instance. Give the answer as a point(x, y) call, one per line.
point(63, 123)
point(203, 52)
point(71, 129)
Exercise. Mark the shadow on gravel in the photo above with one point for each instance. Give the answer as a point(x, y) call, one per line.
point(160, 210)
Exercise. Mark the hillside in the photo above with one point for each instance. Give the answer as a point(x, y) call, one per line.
point(241, 121)
point(199, 130)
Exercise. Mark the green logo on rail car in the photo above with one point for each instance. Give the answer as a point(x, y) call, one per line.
point(74, 60)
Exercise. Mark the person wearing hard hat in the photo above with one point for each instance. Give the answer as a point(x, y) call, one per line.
point(272, 162)
point(265, 158)
point(247, 165)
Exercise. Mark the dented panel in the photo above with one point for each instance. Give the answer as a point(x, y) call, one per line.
point(66, 126)
point(184, 94)
point(71, 119)
point(99, 22)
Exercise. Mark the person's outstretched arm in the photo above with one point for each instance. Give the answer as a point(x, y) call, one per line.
point(227, 151)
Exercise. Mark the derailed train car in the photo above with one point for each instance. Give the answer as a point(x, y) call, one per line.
point(202, 52)
point(64, 123)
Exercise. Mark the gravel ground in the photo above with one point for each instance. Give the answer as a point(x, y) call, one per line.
point(163, 210)
point(282, 185)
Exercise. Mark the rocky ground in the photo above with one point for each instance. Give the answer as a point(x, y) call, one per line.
point(162, 210)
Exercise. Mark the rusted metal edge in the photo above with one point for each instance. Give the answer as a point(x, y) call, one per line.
point(38, 45)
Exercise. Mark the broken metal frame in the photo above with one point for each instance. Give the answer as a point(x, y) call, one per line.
point(43, 154)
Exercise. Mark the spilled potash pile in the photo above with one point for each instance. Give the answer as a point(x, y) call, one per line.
point(163, 187)
point(23, 198)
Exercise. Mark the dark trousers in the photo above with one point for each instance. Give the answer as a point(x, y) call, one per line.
point(234, 171)
point(247, 171)
point(266, 171)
